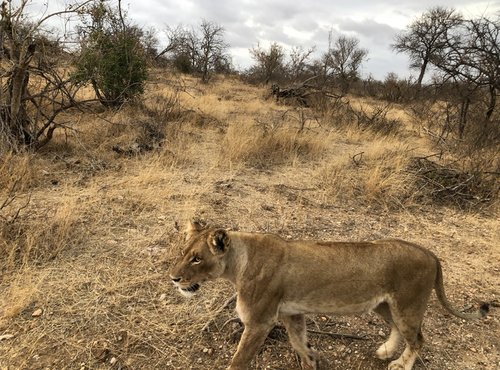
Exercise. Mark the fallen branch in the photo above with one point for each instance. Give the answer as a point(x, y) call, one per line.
point(301, 92)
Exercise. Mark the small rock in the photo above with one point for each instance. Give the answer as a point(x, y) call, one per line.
point(205, 350)
point(381, 333)
point(113, 360)
point(37, 313)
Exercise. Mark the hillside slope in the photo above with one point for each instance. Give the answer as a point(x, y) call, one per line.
point(84, 278)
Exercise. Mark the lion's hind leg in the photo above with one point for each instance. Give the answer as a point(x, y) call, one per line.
point(409, 325)
point(296, 327)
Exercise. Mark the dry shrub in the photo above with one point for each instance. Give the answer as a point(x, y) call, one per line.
point(376, 175)
point(376, 119)
point(144, 126)
point(465, 172)
point(18, 170)
point(467, 184)
point(345, 113)
point(16, 176)
point(256, 146)
point(163, 108)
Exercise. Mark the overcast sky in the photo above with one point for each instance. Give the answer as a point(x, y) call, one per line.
point(299, 23)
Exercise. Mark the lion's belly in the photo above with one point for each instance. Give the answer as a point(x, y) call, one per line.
point(331, 306)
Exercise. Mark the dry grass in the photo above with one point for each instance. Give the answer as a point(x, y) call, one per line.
point(375, 174)
point(35, 236)
point(93, 246)
point(23, 289)
point(18, 171)
point(257, 146)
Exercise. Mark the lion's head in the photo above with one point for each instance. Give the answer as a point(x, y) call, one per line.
point(202, 258)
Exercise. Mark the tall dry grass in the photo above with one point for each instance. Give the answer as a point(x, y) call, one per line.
point(29, 238)
point(375, 174)
point(251, 144)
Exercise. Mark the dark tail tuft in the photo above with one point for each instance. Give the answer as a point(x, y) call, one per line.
point(484, 309)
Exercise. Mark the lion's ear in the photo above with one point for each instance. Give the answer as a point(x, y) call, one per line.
point(218, 241)
point(193, 227)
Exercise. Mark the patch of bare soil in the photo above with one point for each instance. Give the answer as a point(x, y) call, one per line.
point(105, 301)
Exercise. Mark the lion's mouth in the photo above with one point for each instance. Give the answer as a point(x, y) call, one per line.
point(192, 288)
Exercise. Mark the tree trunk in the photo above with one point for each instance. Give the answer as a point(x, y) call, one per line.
point(423, 67)
point(492, 103)
point(205, 71)
point(464, 109)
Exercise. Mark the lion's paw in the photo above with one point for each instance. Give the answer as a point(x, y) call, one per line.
point(394, 365)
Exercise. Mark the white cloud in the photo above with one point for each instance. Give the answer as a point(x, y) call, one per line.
point(294, 23)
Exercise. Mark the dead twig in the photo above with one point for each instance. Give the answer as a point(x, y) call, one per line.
point(226, 304)
point(358, 158)
point(227, 322)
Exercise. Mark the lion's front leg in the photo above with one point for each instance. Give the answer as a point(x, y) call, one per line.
point(252, 339)
point(296, 327)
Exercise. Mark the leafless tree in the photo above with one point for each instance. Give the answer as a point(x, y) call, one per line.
point(473, 57)
point(268, 62)
point(34, 90)
point(212, 48)
point(202, 51)
point(298, 62)
point(177, 38)
point(343, 59)
point(426, 37)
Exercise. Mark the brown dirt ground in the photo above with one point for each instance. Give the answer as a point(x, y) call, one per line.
point(106, 299)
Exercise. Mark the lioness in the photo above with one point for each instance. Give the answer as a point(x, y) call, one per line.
point(282, 280)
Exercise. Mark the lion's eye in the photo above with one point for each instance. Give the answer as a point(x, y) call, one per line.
point(195, 260)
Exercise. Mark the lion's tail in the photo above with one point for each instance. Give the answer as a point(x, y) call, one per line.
point(439, 287)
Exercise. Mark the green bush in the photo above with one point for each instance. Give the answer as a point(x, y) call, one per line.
point(112, 57)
